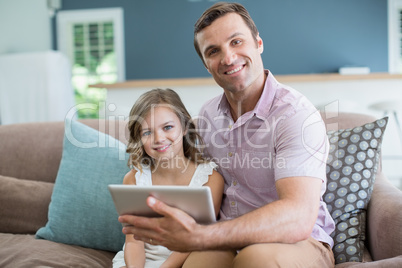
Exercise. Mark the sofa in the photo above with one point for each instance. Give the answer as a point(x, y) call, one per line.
point(33, 154)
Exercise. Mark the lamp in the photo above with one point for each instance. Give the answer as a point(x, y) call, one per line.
point(53, 5)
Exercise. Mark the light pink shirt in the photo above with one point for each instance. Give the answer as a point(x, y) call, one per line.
point(283, 136)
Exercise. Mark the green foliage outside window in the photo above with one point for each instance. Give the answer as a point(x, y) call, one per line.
point(94, 63)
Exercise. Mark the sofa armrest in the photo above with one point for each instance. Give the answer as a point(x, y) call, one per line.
point(384, 220)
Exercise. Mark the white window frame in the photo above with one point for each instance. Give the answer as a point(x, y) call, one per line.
point(68, 17)
point(394, 32)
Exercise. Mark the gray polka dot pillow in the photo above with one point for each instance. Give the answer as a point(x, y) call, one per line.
point(351, 169)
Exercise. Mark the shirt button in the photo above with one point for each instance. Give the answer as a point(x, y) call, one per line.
point(234, 183)
point(230, 126)
point(230, 154)
point(233, 203)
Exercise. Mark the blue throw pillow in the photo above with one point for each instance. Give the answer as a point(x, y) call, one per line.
point(81, 211)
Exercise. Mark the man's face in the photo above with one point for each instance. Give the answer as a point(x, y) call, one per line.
point(231, 54)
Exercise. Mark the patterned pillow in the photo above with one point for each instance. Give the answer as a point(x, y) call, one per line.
point(351, 169)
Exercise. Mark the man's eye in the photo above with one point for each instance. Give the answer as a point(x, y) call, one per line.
point(236, 42)
point(212, 52)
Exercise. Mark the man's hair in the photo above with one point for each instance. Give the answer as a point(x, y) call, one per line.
point(217, 11)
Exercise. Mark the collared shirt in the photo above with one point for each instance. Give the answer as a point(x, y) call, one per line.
point(283, 136)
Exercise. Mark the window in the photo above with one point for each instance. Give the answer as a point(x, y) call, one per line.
point(93, 41)
point(395, 36)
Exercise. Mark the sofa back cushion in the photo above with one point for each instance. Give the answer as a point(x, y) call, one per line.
point(23, 205)
point(342, 120)
point(32, 151)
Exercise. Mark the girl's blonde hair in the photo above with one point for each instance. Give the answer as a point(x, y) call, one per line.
point(192, 141)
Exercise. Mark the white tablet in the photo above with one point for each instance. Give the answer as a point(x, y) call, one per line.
point(131, 199)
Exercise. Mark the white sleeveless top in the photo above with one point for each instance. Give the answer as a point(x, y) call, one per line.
point(155, 255)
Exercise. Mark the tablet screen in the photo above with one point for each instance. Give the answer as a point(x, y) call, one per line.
point(131, 199)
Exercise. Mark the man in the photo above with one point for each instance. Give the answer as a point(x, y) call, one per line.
point(271, 150)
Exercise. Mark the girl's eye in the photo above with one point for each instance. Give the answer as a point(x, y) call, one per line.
point(146, 133)
point(168, 127)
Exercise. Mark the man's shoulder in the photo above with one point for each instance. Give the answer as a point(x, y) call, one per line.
point(211, 105)
point(291, 102)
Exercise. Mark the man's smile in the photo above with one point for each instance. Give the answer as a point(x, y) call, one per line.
point(235, 70)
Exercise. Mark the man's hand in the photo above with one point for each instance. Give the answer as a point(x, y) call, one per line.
point(176, 230)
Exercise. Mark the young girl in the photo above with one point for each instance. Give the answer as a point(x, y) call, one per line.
point(163, 151)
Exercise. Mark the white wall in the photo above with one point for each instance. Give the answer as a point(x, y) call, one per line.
point(24, 26)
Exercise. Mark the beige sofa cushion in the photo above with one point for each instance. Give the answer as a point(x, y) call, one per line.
point(26, 251)
point(23, 205)
point(31, 151)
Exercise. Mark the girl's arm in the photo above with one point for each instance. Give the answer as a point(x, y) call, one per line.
point(216, 183)
point(134, 252)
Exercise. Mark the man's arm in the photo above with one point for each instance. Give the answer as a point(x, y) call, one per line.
point(288, 220)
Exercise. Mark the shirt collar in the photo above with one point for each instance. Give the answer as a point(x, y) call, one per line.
point(224, 106)
point(266, 100)
point(263, 105)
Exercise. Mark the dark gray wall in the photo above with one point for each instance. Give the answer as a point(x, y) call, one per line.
point(308, 36)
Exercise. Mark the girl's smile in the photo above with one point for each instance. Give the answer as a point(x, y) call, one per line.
point(163, 148)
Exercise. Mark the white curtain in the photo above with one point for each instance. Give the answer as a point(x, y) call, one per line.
point(35, 87)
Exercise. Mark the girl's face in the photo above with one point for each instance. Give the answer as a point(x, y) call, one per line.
point(162, 134)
